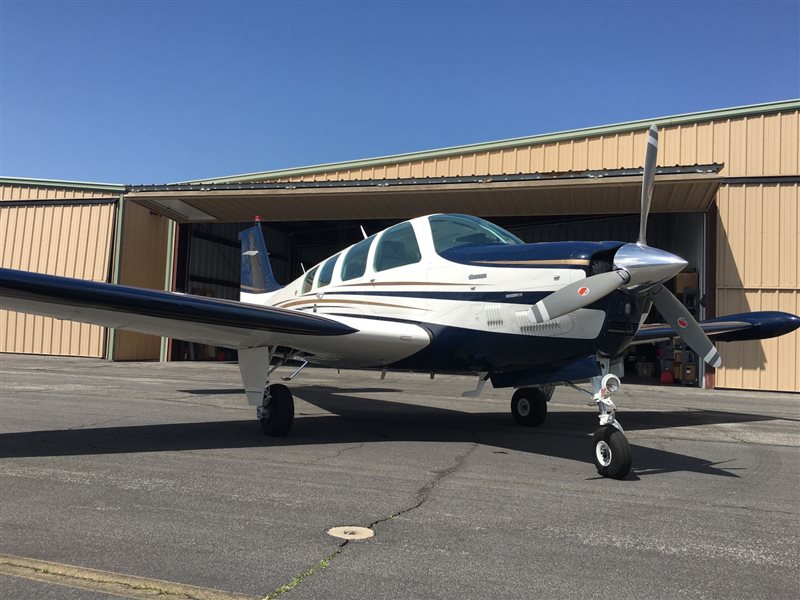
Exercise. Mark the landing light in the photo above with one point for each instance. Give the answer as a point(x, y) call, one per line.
point(611, 383)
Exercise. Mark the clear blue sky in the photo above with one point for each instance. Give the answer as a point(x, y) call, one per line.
point(152, 92)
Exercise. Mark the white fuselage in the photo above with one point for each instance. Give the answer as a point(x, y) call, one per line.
point(432, 291)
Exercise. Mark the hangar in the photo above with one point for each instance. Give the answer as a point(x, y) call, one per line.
point(726, 199)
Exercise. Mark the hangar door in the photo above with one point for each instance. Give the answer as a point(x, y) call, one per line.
point(57, 237)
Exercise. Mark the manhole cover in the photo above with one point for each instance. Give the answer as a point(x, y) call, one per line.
point(351, 532)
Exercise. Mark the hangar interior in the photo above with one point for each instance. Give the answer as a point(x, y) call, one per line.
point(727, 199)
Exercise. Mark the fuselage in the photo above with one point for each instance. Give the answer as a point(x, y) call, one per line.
point(470, 285)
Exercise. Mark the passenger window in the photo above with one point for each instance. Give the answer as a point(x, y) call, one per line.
point(308, 280)
point(355, 263)
point(326, 272)
point(398, 247)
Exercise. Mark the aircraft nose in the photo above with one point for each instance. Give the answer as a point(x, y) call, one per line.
point(647, 266)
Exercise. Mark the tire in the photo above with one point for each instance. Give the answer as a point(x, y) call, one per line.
point(612, 453)
point(279, 414)
point(529, 407)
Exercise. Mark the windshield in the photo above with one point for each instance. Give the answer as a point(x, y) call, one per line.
point(454, 231)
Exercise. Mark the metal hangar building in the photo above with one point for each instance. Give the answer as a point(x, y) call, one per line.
point(726, 199)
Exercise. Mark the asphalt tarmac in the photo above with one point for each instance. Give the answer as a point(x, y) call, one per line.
point(129, 479)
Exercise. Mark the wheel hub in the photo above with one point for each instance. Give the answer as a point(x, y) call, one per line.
point(603, 452)
point(524, 407)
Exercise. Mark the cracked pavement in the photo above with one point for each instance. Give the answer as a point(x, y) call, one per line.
point(160, 471)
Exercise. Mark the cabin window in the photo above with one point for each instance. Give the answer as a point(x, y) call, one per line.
point(453, 231)
point(398, 247)
point(308, 280)
point(355, 263)
point(326, 272)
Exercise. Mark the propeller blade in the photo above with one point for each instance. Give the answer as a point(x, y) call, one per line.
point(648, 181)
point(684, 324)
point(577, 295)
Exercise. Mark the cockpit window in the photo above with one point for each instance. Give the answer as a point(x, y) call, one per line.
point(453, 231)
point(355, 262)
point(398, 247)
point(308, 280)
point(326, 272)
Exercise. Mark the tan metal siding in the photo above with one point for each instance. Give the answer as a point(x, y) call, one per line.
point(16, 193)
point(71, 240)
point(756, 145)
point(142, 264)
point(758, 268)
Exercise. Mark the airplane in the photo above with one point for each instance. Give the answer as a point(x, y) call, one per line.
point(440, 293)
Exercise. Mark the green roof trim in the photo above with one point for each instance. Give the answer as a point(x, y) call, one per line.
point(58, 183)
point(696, 117)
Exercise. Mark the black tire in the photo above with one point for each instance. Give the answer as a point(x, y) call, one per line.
point(529, 407)
point(612, 453)
point(279, 414)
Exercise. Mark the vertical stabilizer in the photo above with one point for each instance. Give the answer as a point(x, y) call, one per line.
point(257, 277)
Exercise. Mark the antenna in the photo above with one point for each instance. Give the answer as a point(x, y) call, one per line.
point(364, 233)
point(302, 266)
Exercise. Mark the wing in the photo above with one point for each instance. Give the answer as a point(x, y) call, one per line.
point(731, 328)
point(211, 321)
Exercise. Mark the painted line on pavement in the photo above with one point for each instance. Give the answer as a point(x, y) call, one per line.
point(108, 582)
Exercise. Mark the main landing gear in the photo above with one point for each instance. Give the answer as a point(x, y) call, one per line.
point(529, 405)
point(274, 403)
point(276, 412)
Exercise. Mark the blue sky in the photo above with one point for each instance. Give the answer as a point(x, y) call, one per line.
point(153, 92)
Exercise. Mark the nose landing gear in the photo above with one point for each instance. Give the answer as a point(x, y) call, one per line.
point(612, 453)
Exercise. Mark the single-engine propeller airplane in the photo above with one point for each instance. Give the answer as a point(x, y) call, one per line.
point(436, 294)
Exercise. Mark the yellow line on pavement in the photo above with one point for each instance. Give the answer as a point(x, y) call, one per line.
point(107, 582)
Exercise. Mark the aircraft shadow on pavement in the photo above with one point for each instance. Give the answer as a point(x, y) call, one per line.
point(354, 420)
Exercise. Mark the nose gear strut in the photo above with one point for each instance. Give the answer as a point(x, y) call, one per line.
point(610, 448)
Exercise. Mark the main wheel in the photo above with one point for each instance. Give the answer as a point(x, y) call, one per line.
point(612, 453)
point(277, 416)
point(529, 407)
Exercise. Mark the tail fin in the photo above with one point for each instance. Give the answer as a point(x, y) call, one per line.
point(257, 277)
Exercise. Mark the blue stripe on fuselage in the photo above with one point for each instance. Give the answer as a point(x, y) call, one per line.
point(503, 296)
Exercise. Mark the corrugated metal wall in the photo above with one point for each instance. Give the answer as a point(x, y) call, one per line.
point(142, 264)
point(71, 238)
point(758, 268)
point(749, 146)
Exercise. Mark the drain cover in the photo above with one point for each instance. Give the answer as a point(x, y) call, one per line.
point(351, 532)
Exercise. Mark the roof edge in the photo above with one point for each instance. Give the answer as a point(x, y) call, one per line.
point(695, 117)
point(59, 183)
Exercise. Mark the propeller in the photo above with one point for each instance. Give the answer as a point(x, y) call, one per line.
point(638, 269)
point(682, 321)
point(648, 181)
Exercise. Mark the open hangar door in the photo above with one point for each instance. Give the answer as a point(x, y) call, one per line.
point(306, 222)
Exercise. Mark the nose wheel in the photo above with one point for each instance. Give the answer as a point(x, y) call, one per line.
point(612, 453)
